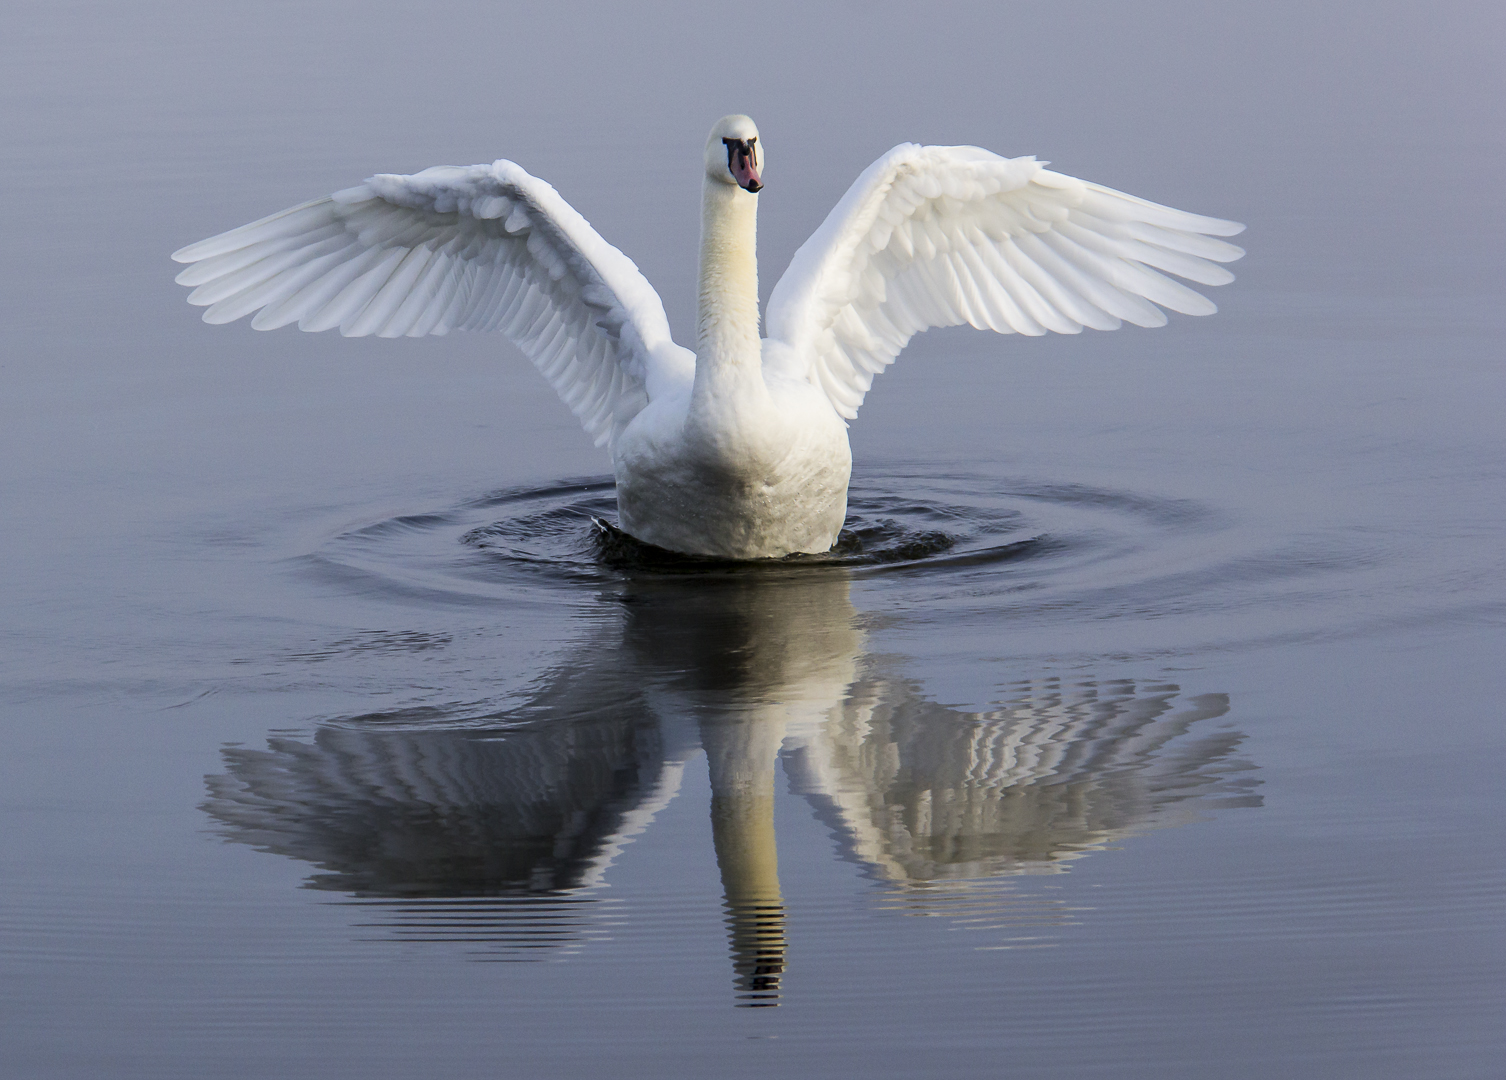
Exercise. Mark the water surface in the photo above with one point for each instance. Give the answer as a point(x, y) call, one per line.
point(1146, 722)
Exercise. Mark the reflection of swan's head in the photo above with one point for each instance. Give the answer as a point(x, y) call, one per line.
point(733, 153)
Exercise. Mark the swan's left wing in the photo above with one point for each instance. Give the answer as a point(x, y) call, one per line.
point(945, 235)
point(481, 247)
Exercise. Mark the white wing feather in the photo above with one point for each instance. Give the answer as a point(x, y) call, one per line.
point(945, 235)
point(483, 247)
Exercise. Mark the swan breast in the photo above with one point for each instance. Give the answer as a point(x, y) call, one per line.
point(741, 482)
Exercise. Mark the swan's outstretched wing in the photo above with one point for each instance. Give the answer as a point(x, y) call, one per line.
point(483, 247)
point(945, 235)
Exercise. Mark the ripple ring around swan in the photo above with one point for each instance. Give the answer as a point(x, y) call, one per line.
point(904, 525)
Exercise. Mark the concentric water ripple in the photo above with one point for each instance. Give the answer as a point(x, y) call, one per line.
point(1036, 553)
point(909, 523)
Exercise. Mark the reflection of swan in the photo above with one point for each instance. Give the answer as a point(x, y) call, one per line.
point(530, 808)
point(740, 449)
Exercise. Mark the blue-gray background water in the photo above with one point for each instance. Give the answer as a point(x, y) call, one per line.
point(1153, 730)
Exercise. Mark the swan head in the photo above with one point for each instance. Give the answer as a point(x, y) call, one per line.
point(733, 153)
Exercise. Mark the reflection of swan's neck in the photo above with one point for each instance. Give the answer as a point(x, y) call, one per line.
point(743, 829)
point(727, 342)
point(741, 756)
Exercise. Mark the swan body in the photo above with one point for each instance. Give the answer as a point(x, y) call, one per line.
point(738, 449)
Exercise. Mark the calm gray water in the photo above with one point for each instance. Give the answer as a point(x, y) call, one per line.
point(1155, 732)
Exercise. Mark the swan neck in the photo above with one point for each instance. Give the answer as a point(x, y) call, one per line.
point(727, 331)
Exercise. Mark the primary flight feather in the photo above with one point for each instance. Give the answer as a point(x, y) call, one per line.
point(738, 449)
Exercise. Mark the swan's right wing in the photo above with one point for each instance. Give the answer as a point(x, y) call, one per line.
point(483, 247)
point(945, 235)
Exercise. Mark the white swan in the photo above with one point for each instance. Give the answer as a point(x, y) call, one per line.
point(739, 449)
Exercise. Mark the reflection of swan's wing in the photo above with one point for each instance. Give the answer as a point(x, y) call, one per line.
point(443, 813)
point(945, 235)
point(483, 247)
point(922, 793)
point(487, 835)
